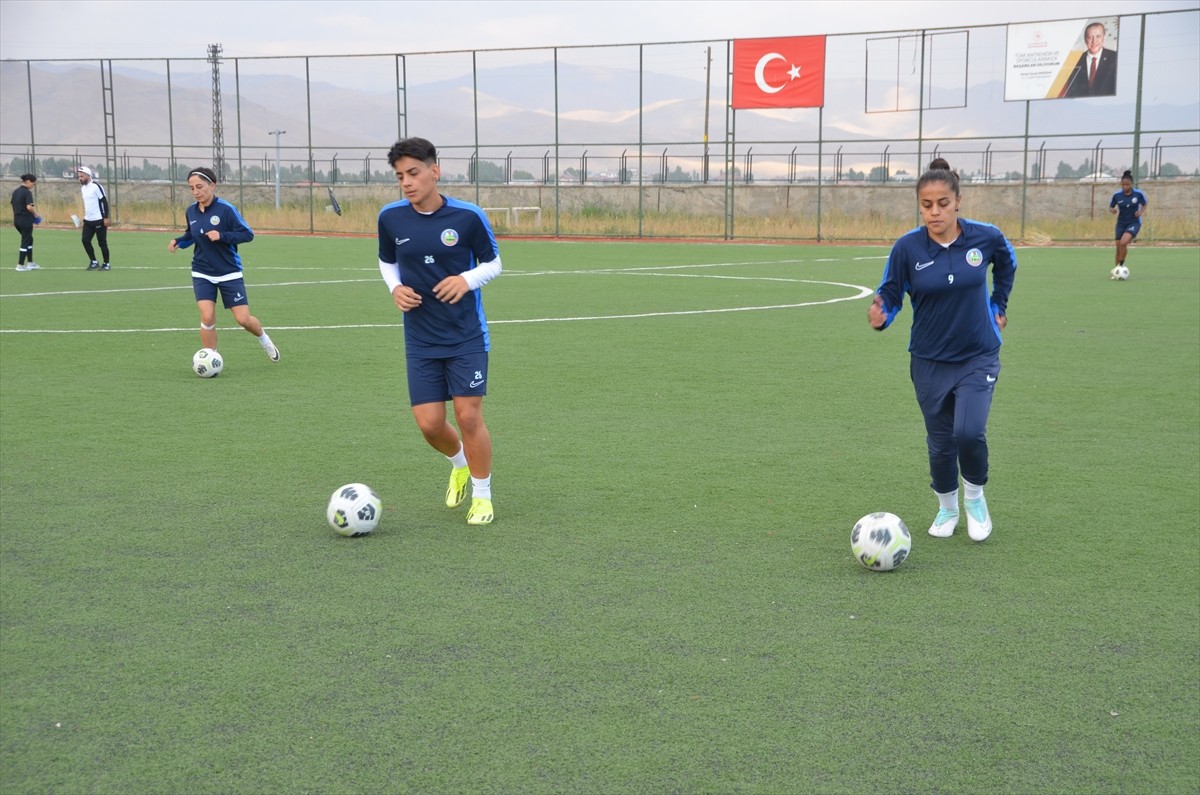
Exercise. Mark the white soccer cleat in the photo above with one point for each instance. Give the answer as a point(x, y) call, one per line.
point(944, 524)
point(979, 521)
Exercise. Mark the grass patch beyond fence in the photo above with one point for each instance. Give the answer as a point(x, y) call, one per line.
point(801, 223)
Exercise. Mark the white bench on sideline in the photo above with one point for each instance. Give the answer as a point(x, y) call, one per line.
point(537, 215)
point(506, 211)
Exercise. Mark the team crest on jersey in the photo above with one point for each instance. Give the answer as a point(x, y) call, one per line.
point(974, 258)
point(215, 220)
point(449, 237)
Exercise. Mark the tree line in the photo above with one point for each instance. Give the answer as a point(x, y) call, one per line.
point(488, 172)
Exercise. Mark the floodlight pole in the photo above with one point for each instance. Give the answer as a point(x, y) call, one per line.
point(277, 134)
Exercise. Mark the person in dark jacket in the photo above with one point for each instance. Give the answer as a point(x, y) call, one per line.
point(25, 216)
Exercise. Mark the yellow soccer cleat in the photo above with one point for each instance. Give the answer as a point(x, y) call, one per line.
point(481, 511)
point(456, 492)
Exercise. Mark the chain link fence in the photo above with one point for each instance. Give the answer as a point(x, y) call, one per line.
point(625, 140)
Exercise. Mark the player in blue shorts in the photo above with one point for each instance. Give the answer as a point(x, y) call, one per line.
point(1129, 205)
point(435, 253)
point(216, 229)
point(955, 339)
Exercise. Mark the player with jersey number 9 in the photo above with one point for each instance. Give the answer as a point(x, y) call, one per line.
point(955, 341)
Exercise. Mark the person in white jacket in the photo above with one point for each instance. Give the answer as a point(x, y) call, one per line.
point(95, 218)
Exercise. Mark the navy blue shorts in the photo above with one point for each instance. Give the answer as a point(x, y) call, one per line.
point(233, 292)
point(438, 380)
point(1132, 229)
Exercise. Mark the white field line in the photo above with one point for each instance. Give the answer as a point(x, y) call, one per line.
point(187, 287)
point(860, 291)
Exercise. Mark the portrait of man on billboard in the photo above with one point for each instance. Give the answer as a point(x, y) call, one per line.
point(1095, 73)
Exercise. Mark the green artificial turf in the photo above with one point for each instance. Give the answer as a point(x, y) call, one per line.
point(666, 601)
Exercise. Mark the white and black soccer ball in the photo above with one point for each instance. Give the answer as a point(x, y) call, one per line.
point(880, 541)
point(354, 510)
point(1119, 273)
point(207, 363)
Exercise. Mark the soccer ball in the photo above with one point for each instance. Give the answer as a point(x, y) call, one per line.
point(880, 541)
point(207, 363)
point(354, 510)
point(1119, 273)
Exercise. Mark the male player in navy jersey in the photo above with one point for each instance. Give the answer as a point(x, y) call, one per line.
point(435, 253)
point(955, 340)
point(1129, 205)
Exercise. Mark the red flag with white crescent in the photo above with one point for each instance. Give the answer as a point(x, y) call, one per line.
point(779, 73)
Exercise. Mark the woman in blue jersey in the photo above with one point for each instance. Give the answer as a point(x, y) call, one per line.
point(955, 340)
point(1129, 206)
point(435, 253)
point(216, 229)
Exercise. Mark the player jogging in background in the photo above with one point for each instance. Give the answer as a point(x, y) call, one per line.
point(95, 218)
point(216, 229)
point(1129, 205)
point(955, 339)
point(435, 253)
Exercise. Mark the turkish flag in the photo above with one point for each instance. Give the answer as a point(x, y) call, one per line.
point(779, 73)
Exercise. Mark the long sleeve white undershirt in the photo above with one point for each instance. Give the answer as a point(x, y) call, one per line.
point(478, 276)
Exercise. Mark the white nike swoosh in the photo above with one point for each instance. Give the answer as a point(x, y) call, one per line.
point(923, 265)
point(990, 378)
point(475, 384)
point(402, 242)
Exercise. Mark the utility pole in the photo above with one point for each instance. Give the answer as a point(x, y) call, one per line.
point(277, 134)
point(218, 146)
point(707, 99)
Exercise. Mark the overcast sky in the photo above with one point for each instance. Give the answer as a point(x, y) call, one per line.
point(87, 29)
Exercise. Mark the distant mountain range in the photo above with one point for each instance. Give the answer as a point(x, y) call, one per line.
point(597, 111)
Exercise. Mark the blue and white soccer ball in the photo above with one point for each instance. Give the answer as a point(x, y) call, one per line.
point(207, 363)
point(880, 541)
point(354, 510)
point(1119, 273)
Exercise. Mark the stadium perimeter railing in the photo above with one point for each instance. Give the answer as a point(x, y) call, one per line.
point(631, 140)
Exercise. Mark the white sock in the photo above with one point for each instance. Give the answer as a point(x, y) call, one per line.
point(482, 487)
point(948, 501)
point(458, 460)
point(971, 491)
point(264, 339)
